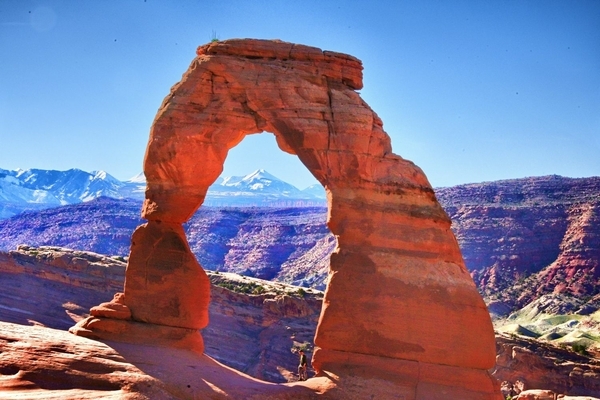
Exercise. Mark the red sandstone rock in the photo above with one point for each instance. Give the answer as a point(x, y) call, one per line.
point(242, 325)
point(41, 363)
point(82, 269)
point(527, 238)
point(530, 364)
point(164, 284)
point(112, 309)
point(398, 286)
point(268, 323)
point(577, 265)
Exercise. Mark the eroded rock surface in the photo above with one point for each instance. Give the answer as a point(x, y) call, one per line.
point(42, 363)
point(529, 364)
point(395, 251)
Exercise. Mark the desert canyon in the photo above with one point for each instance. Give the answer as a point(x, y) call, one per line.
point(400, 317)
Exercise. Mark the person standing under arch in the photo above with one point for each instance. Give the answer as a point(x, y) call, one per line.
point(302, 366)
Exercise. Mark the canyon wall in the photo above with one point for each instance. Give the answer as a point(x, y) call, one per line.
point(521, 238)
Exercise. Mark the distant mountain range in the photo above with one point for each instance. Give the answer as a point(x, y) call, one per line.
point(36, 189)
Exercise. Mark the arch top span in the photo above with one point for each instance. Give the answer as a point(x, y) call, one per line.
point(338, 66)
point(398, 288)
point(305, 96)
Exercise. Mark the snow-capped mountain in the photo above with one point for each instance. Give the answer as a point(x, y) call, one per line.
point(316, 190)
point(35, 189)
point(133, 188)
point(259, 188)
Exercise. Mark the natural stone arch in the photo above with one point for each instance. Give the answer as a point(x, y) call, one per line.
point(399, 301)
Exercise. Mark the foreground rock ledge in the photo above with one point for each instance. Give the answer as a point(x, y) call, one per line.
point(44, 363)
point(399, 296)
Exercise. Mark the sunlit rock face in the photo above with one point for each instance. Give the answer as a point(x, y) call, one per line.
point(400, 304)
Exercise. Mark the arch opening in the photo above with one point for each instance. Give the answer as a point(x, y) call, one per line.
point(267, 228)
point(277, 234)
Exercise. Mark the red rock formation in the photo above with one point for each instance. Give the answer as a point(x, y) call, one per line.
point(399, 298)
point(42, 363)
point(164, 284)
point(531, 364)
point(576, 271)
point(525, 238)
point(81, 269)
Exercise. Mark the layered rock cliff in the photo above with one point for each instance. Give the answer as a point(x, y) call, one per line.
point(523, 364)
point(290, 245)
point(521, 238)
point(525, 238)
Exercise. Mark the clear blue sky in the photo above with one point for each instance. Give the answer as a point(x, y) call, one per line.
point(469, 90)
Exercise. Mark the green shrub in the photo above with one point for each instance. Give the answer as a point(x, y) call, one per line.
point(579, 348)
point(258, 290)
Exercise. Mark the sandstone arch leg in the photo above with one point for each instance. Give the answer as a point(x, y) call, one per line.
point(166, 294)
point(164, 284)
point(401, 313)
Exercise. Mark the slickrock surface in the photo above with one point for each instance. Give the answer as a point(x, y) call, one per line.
point(396, 275)
point(42, 363)
point(252, 332)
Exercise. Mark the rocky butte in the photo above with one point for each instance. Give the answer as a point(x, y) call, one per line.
point(397, 274)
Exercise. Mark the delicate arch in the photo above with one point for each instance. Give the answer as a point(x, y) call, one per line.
point(398, 292)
